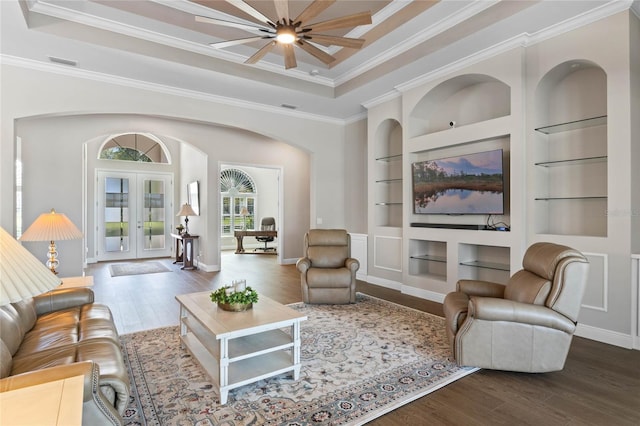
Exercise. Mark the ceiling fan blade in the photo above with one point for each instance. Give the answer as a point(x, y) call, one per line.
point(246, 27)
point(289, 56)
point(260, 53)
point(362, 18)
point(222, 44)
point(313, 10)
point(318, 53)
point(327, 40)
point(250, 11)
point(282, 10)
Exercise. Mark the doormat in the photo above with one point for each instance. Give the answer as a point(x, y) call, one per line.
point(137, 268)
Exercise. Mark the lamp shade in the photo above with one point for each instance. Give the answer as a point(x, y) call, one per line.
point(22, 275)
point(244, 212)
point(51, 226)
point(186, 210)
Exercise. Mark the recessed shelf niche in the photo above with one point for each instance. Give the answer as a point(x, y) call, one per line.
point(428, 259)
point(388, 174)
point(455, 103)
point(570, 152)
point(484, 262)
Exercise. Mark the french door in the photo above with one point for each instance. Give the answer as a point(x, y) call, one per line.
point(134, 215)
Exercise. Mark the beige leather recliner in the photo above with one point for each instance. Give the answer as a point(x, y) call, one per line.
point(528, 324)
point(328, 272)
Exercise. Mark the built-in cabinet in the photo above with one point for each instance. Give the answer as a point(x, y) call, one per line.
point(562, 110)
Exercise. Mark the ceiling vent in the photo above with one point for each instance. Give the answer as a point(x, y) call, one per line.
point(63, 61)
point(289, 106)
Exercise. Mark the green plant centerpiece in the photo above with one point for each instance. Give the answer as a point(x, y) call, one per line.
point(235, 297)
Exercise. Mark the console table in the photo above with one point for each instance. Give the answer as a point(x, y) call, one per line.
point(184, 250)
point(241, 234)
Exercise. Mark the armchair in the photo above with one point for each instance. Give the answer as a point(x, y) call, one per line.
point(328, 272)
point(526, 325)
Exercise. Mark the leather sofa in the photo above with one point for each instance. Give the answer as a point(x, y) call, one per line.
point(328, 272)
point(63, 332)
point(525, 326)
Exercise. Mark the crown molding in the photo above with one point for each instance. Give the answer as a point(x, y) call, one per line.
point(160, 88)
point(82, 18)
point(393, 94)
point(433, 30)
point(522, 40)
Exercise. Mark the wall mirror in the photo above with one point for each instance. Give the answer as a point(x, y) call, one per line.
point(193, 197)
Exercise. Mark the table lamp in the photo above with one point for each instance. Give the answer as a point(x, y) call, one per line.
point(186, 211)
point(22, 275)
point(244, 213)
point(50, 227)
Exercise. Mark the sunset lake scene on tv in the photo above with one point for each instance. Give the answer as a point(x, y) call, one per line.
point(464, 184)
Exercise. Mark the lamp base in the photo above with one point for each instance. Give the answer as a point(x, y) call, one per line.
point(52, 258)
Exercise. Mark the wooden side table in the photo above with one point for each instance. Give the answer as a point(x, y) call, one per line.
point(184, 250)
point(71, 282)
point(51, 403)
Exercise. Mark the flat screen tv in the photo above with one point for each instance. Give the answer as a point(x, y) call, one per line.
point(465, 184)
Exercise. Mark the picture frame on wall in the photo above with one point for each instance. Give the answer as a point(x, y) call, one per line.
point(193, 197)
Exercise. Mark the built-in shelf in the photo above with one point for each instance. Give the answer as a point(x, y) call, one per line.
point(597, 197)
point(430, 258)
point(390, 158)
point(573, 161)
point(487, 265)
point(573, 125)
point(399, 180)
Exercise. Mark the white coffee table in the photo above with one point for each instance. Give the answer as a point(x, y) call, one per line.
point(238, 348)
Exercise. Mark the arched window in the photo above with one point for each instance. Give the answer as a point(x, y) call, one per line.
point(137, 147)
point(238, 201)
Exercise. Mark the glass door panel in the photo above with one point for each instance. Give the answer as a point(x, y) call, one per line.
point(116, 215)
point(154, 215)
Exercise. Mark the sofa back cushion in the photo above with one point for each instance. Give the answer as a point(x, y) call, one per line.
point(5, 361)
point(10, 328)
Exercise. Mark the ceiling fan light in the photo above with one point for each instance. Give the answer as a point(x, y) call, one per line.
point(286, 36)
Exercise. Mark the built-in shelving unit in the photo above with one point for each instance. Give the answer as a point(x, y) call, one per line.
point(484, 262)
point(388, 176)
point(572, 177)
point(428, 259)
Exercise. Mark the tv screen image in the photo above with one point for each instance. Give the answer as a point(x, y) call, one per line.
point(464, 184)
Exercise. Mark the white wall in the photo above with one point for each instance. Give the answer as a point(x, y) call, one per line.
point(314, 175)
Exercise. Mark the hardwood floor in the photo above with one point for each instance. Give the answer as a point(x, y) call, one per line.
point(600, 384)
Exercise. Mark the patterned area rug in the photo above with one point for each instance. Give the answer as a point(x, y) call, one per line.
point(358, 362)
point(137, 268)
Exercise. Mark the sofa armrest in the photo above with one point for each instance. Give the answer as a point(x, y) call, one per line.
point(352, 264)
point(480, 288)
point(95, 408)
point(64, 298)
point(303, 264)
point(492, 309)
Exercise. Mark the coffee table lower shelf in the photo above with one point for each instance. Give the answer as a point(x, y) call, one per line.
point(243, 372)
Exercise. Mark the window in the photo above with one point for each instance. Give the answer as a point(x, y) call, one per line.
point(138, 147)
point(238, 201)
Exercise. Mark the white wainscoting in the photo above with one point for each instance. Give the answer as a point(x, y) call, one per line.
point(387, 253)
point(359, 252)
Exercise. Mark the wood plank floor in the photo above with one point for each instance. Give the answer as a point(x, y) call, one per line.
point(600, 384)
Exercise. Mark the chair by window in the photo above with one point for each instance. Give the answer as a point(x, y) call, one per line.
point(526, 325)
point(266, 224)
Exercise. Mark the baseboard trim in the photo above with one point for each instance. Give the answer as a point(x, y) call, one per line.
point(423, 294)
point(207, 268)
point(289, 261)
point(394, 285)
point(605, 336)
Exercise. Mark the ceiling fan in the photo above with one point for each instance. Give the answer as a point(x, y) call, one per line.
point(287, 32)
